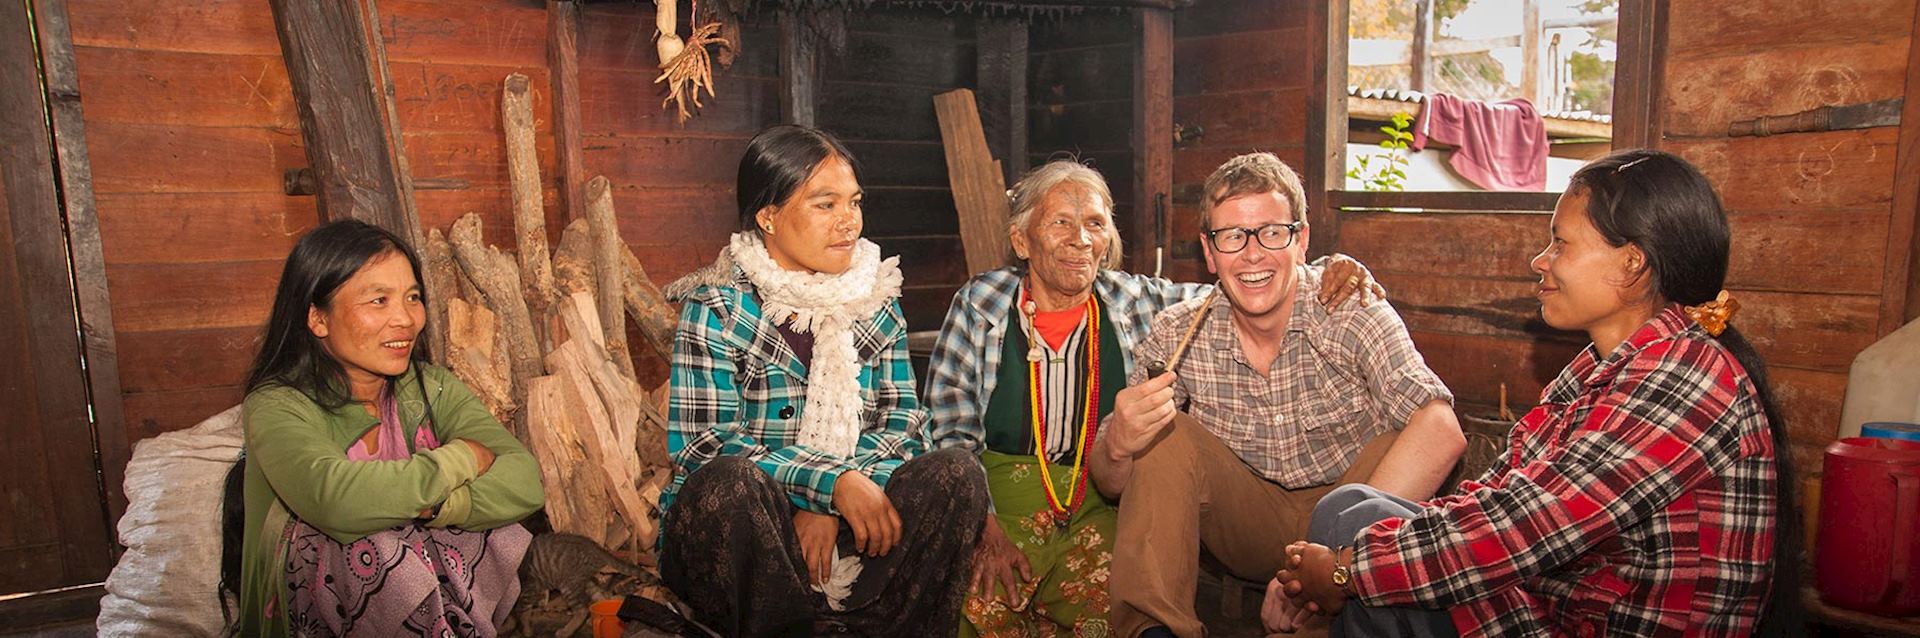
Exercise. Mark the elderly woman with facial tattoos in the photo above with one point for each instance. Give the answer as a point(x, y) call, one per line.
point(1028, 361)
point(806, 502)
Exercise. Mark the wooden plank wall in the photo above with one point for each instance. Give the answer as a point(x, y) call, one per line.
point(191, 123)
point(672, 185)
point(877, 97)
point(1080, 96)
point(1240, 74)
point(1810, 211)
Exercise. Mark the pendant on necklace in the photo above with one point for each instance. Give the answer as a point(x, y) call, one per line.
point(1060, 518)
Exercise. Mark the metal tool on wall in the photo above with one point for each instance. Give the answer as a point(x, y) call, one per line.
point(1826, 118)
point(1159, 232)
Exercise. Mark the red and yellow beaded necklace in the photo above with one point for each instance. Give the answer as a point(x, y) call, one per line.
point(1089, 424)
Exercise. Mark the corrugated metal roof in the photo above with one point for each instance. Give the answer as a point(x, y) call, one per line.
point(1416, 97)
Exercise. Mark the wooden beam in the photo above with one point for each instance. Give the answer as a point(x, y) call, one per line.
point(1326, 120)
point(47, 394)
point(987, 6)
point(1475, 201)
point(563, 69)
point(799, 71)
point(49, 609)
point(1422, 75)
point(351, 144)
point(1379, 51)
point(1637, 75)
point(1002, 81)
point(1530, 53)
point(1900, 296)
point(85, 254)
point(395, 140)
point(1152, 129)
point(409, 224)
point(978, 192)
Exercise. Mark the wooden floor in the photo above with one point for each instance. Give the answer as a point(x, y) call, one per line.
point(80, 629)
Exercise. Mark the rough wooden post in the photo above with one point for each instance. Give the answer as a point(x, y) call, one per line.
point(799, 70)
point(1326, 123)
point(1002, 63)
point(1152, 126)
point(1422, 75)
point(1530, 56)
point(563, 68)
point(83, 240)
point(332, 68)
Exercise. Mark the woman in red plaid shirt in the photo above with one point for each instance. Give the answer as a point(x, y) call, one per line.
point(1647, 494)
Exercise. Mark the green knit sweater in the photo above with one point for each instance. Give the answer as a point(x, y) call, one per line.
point(297, 466)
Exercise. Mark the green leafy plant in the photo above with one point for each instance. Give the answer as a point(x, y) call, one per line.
point(1387, 172)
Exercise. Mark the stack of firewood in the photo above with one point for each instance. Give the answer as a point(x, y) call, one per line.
point(542, 341)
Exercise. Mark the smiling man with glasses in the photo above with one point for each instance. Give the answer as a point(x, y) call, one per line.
point(1276, 400)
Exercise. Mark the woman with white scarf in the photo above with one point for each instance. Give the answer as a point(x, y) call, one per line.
point(806, 501)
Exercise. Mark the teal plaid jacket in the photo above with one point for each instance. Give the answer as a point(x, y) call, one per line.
point(739, 390)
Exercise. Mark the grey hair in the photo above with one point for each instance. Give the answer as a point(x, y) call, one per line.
point(1033, 187)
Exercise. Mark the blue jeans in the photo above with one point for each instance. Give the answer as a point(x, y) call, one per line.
point(1337, 520)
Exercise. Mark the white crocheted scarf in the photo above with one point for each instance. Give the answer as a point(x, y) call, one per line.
point(826, 305)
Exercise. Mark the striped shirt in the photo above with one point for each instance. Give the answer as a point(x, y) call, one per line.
point(1063, 390)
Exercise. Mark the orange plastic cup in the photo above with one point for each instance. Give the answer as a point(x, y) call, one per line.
point(605, 623)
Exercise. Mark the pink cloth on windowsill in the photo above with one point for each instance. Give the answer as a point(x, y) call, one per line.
point(1500, 146)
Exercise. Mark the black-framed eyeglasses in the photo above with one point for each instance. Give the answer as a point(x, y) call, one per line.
point(1233, 239)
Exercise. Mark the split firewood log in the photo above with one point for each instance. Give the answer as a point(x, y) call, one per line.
point(577, 501)
point(470, 353)
point(573, 268)
point(439, 280)
point(651, 440)
point(607, 439)
point(498, 279)
point(652, 313)
point(529, 216)
point(607, 248)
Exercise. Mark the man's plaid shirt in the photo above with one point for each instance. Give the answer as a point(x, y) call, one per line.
point(1637, 499)
point(1343, 376)
point(966, 360)
point(739, 390)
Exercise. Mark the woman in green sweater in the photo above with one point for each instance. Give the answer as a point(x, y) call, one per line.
point(381, 496)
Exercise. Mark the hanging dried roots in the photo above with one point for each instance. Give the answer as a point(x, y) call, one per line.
point(690, 71)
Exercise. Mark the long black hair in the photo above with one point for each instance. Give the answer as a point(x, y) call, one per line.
point(323, 260)
point(1663, 205)
point(778, 160)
